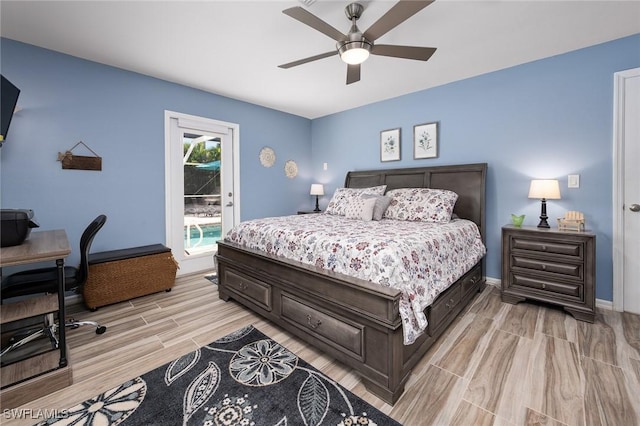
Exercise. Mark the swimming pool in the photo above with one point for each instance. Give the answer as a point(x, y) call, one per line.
point(211, 234)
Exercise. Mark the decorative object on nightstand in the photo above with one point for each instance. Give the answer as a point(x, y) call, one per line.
point(544, 189)
point(517, 220)
point(317, 189)
point(550, 266)
point(572, 221)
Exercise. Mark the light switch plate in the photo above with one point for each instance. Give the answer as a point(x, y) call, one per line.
point(574, 181)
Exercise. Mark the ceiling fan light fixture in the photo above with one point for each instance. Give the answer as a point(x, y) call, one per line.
point(354, 53)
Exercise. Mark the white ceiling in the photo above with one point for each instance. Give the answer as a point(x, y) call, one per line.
point(233, 48)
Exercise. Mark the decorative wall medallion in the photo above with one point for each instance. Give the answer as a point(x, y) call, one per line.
point(267, 157)
point(291, 169)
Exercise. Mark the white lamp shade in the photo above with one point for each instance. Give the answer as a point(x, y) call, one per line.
point(544, 188)
point(317, 189)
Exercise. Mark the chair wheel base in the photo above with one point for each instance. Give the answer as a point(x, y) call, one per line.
point(101, 329)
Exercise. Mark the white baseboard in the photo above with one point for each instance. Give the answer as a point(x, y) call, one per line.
point(604, 304)
point(600, 303)
point(496, 282)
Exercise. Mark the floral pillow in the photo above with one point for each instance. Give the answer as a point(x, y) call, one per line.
point(343, 196)
point(421, 204)
point(361, 208)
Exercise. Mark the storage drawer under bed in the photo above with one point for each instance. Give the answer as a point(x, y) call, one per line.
point(251, 289)
point(328, 327)
point(447, 302)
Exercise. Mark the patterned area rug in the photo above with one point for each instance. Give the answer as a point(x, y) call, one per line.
point(213, 278)
point(244, 378)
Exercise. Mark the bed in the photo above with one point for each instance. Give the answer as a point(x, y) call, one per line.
point(357, 321)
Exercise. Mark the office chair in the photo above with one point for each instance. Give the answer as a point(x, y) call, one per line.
point(45, 280)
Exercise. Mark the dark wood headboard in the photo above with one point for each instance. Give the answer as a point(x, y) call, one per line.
point(466, 180)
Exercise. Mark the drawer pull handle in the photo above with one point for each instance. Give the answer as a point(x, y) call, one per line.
point(544, 286)
point(450, 304)
point(243, 286)
point(544, 248)
point(544, 267)
point(314, 324)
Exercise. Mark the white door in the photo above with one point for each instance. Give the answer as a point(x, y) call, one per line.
point(201, 188)
point(627, 209)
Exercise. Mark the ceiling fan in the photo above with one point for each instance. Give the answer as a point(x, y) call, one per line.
point(355, 46)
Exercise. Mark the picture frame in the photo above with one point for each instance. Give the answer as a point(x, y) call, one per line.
point(390, 145)
point(425, 140)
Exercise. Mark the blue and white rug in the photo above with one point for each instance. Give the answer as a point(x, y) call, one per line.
point(244, 379)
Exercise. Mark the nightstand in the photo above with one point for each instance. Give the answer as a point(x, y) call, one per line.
point(550, 266)
point(308, 212)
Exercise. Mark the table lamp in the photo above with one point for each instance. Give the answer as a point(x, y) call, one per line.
point(317, 189)
point(544, 189)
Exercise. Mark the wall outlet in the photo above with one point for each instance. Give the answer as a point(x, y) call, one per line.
point(324, 166)
point(573, 181)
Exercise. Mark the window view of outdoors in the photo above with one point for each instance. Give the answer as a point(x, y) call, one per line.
point(202, 211)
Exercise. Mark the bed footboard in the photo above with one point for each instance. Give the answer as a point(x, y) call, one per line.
point(355, 321)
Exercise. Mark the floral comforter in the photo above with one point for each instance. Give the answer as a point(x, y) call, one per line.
point(420, 259)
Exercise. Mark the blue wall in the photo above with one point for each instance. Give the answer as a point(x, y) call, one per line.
point(120, 115)
point(544, 119)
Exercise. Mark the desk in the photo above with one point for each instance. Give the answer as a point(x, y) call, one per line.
point(18, 381)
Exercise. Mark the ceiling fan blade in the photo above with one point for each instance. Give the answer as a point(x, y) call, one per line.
point(314, 22)
point(406, 52)
point(399, 13)
point(353, 73)
point(309, 59)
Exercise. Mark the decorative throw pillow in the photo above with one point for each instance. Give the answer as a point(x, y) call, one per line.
point(421, 204)
point(360, 208)
point(382, 202)
point(342, 197)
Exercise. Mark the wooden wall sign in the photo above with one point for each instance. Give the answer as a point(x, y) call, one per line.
point(78, 162)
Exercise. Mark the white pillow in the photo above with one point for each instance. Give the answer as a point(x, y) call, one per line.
point(421, 204)
point(343, 196)
point(360, 208)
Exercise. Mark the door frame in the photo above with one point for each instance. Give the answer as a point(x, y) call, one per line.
point(619, 81)
point(205, 124)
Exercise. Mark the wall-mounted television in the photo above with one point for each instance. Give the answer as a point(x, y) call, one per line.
point(8, 100)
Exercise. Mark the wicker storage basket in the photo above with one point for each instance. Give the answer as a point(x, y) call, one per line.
point(119, 275)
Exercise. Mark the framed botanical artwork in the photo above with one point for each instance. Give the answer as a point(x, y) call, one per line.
point(425, 140)
point(390, 145)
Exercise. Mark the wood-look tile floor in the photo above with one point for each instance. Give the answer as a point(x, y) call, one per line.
point(498, 364)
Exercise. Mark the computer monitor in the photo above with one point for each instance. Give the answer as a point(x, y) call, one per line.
point(8, 100)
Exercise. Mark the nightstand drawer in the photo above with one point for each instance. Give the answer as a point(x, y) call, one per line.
point(575, 249)
point(574, 290)
point(571, 270)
